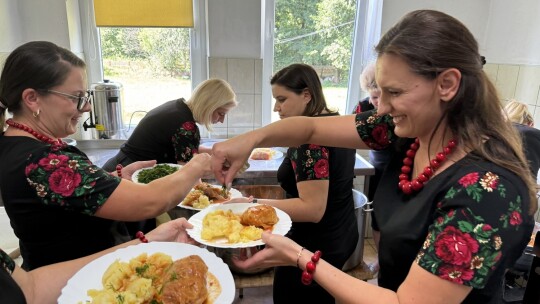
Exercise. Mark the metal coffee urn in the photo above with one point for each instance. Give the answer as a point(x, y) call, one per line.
point(106, 114)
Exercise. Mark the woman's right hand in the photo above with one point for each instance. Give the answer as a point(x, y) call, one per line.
point(279, 251)
point(229, 157)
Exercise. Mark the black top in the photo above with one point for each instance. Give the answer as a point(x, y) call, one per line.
point(336, 234)
point(467, 225)
point(363, 106)
point(10, 292)
point(168, 134)
point(50, 196)
point(531, 145)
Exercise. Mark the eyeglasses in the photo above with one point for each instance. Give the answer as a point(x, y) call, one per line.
point(81, 100)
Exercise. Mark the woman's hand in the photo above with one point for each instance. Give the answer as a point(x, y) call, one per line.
point(279, 251)
point(127, 171)
point(172, 231)
point(229, 157)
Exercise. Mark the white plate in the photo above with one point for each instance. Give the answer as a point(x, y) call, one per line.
point(135, 175)
point(89, 277)
point(208, 144)
point(281, 227)
point(276, 154)
point(234, 194)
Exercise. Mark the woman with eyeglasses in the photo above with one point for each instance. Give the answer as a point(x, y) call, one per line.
point(60, 205)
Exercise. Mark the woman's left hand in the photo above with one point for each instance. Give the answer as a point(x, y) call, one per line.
point(172, 231)
point(127, 171)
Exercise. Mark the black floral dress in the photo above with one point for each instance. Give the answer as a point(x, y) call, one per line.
point(10, 292)
point(336, 234)
point(168, 134)
point(50, 195)
point(467, 225)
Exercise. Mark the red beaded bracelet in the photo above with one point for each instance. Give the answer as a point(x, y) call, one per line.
point(307, 275)
point(140, 236)
point(119, 170)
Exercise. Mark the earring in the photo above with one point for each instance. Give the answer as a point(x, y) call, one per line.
point(36, 114)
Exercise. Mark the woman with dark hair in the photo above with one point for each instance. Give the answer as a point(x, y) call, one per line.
point(318, 181)
point(455, 205)
point(60, 205)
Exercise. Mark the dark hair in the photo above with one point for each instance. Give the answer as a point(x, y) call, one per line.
point(299, 77)
point(38, 65)
point(432, 42)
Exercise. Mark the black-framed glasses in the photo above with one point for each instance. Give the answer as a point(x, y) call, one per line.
point(81, 100)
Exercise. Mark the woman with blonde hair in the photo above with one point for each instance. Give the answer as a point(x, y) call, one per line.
point(169, 132)
point(518, 112)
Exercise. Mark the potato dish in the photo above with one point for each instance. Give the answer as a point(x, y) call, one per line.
point(238, 228)
point(157, 279)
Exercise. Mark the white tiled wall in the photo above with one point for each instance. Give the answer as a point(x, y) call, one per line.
point(244, 75)
point(521, 82)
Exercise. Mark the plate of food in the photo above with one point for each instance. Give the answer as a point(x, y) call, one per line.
point(204, 195)
point(146, 175)
point(143, 274)
point(237, 225)
point(265, 154)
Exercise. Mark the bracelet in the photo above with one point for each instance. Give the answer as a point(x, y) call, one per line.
point(119, 170)
point(298, 255)
point(140, 236)
point(254, 201)
point(307, 275)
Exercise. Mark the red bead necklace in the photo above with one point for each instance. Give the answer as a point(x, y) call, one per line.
point(43, 138)
point(418, 183)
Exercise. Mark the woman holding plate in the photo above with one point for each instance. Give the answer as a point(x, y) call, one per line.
point(43, 285)
point(60, 205)
point(318, 182)
point(455, 205)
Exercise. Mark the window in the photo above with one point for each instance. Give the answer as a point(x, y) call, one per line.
point(152, 64)
point(319, 33)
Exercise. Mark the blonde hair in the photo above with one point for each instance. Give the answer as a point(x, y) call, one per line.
point(367, 78)
point(207, 97)
point(518, 112)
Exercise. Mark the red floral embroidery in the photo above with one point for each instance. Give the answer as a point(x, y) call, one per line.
point(455, 273)
point(188, 126)
point(64, 181)
point(469, 179)
point(53, 161)
point(380, 135)
point(455, 247)
point(30, 168)
point(515, 218)
point(321, 168)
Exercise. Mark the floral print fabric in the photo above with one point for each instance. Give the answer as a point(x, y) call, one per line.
point(6, 262)
point(63, 177)
point(466, 225)
point(310, 162)
point(464, 245)
point(186, 141)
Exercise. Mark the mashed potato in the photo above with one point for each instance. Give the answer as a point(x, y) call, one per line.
point(224, 224)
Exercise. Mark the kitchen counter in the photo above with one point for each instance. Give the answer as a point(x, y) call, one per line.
point(100, 150)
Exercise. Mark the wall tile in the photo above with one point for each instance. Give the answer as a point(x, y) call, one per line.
point(528, 84)
point(506, 80)
point(258, 76)
point(242, 115)
point(218, 132)
point(257, 111)
point(237, 131)
point(491, 70)
point(241, 75)
point(217, 68)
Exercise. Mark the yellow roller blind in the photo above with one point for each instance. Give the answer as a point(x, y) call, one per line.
point(144, 13)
